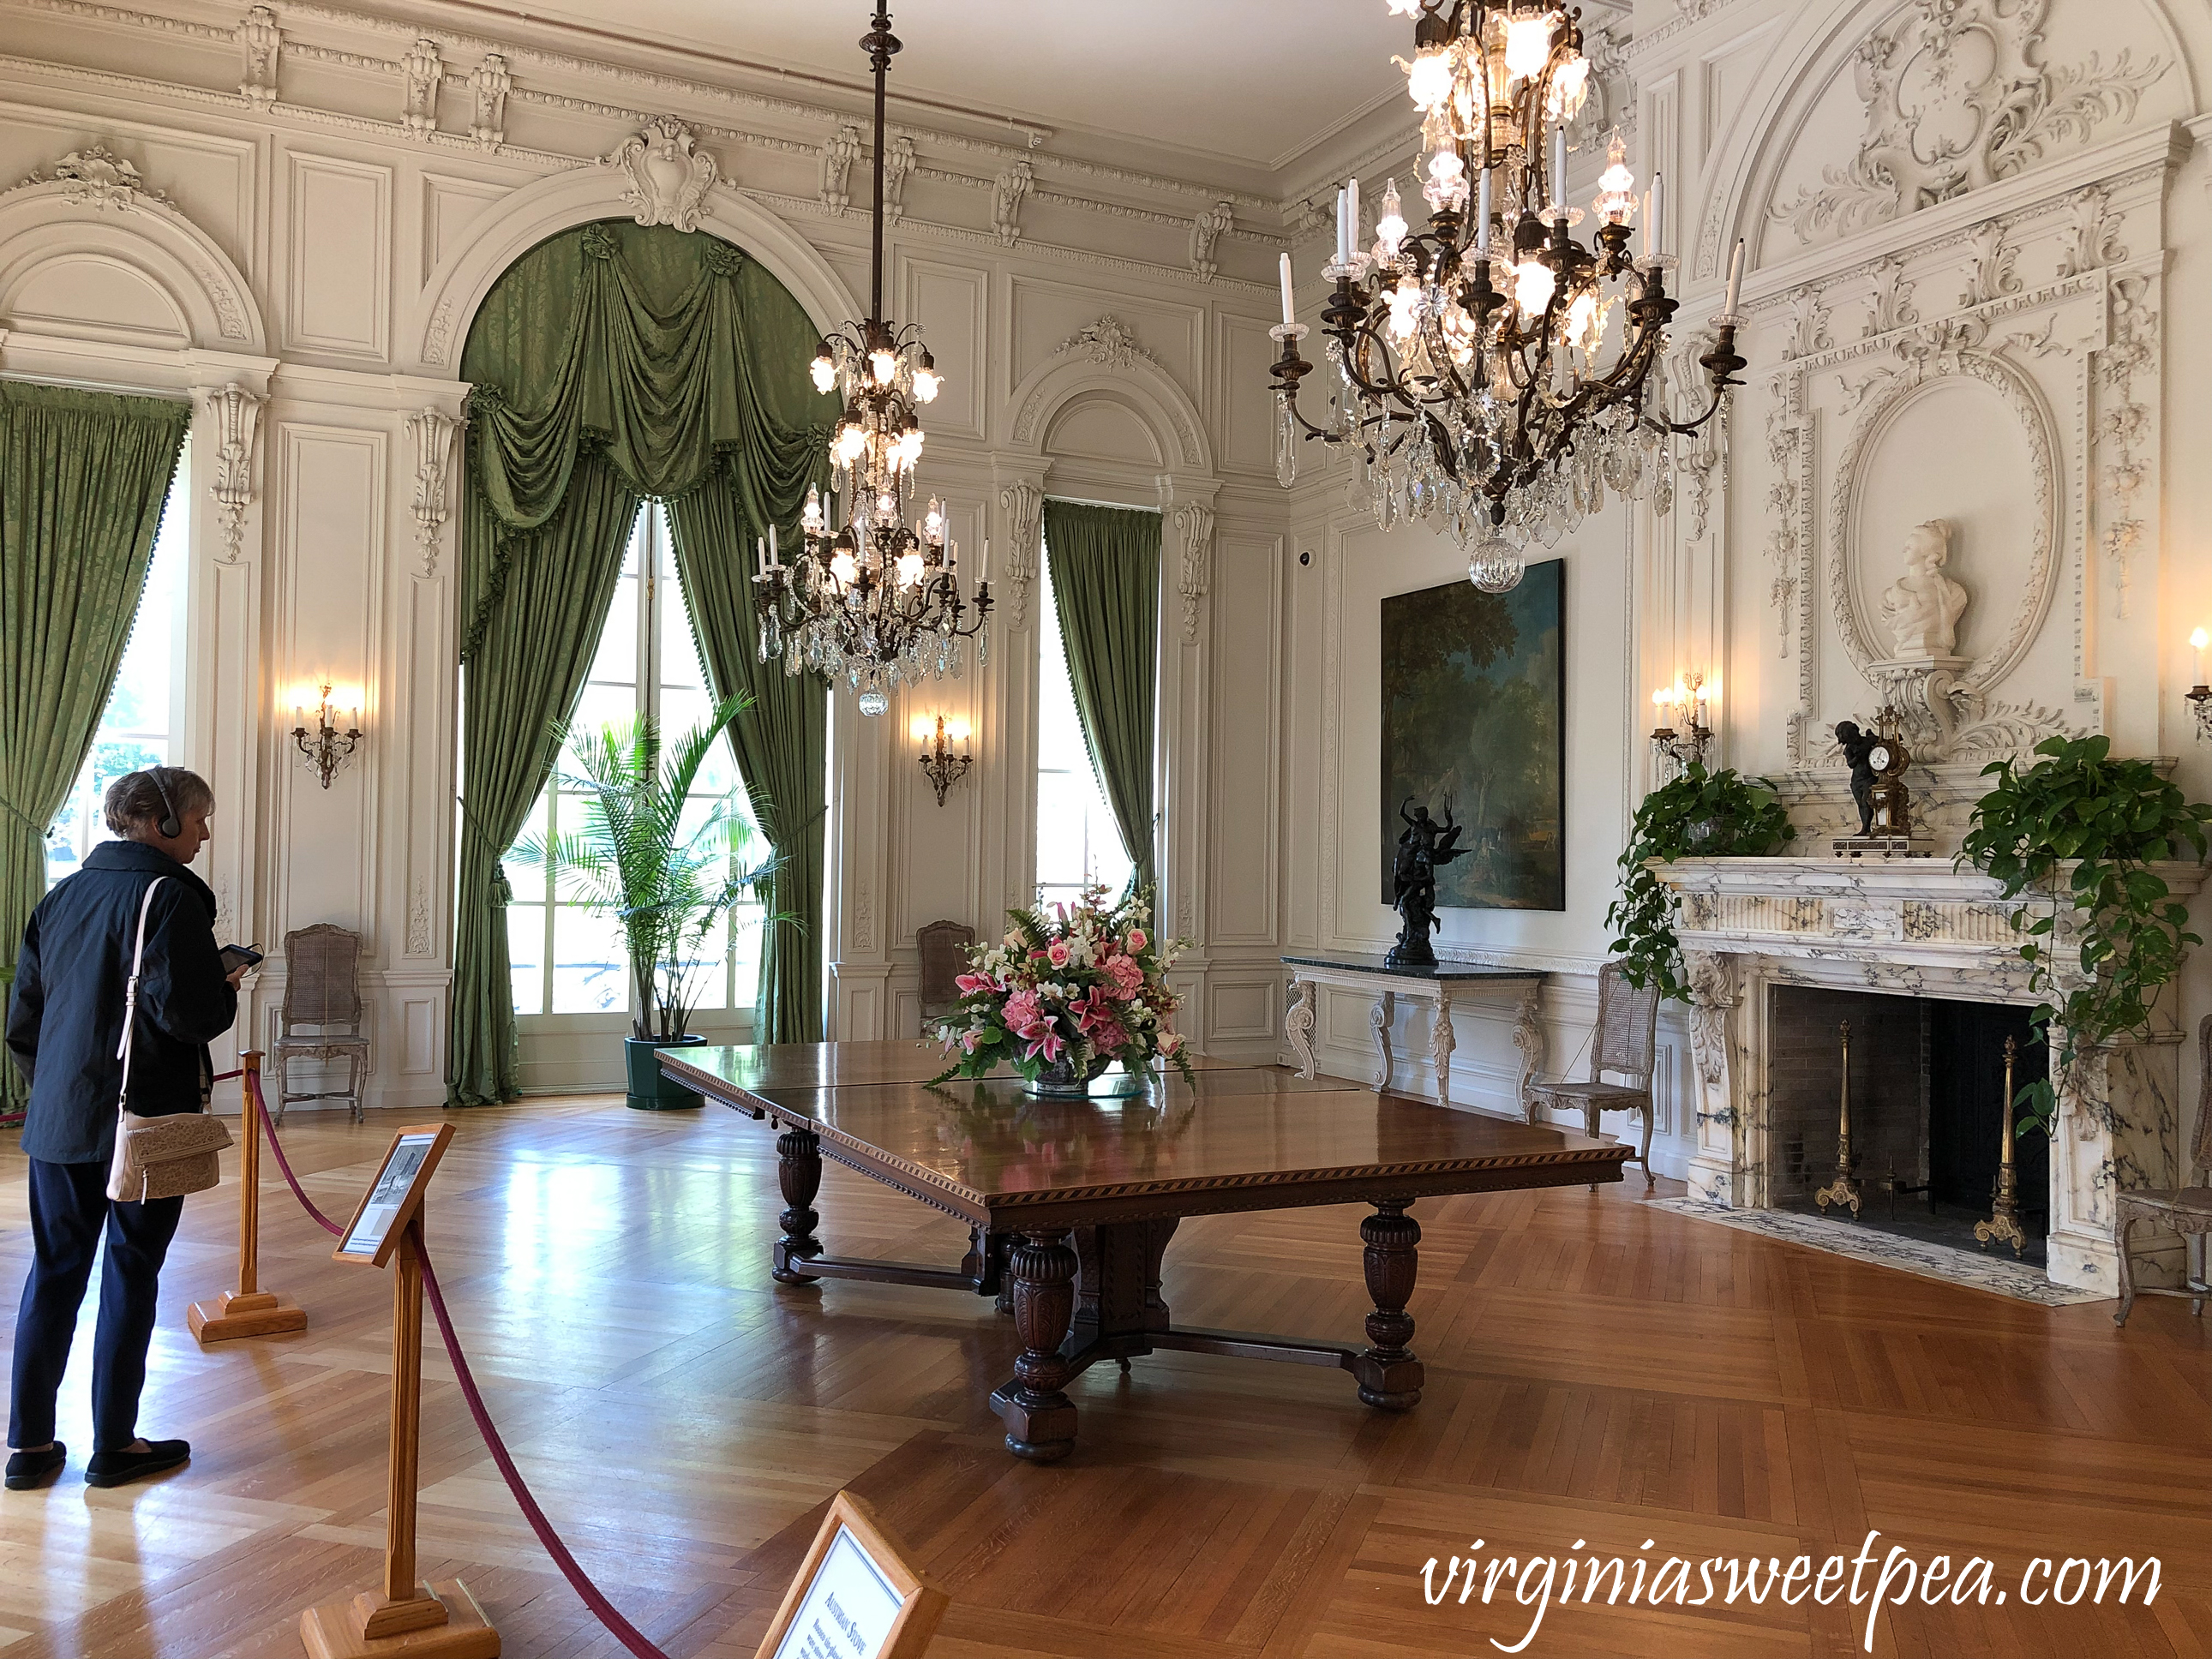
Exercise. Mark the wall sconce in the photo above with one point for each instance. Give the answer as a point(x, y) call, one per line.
point(1686, 705)
point(326, 747)
point(940, 764)
point(2200, 694)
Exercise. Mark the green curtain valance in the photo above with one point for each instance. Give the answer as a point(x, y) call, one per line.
point(650, 350)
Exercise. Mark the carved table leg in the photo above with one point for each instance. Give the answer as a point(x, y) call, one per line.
point(1442, 1041)
point(1298, 1024)
point(1388, 1374)
point(1386, 1009)
point(1529, 1038)
point(798, 1169)
point(1039, 1418)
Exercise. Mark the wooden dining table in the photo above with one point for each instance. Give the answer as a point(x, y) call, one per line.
point(1071, 1204)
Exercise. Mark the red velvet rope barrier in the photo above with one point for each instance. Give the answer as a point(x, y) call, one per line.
point(602, 1609)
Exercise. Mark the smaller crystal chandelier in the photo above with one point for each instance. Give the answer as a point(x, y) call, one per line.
point(869, 600)
point(1492, 370)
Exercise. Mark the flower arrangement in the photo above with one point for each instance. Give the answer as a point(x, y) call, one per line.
point(1062, 997)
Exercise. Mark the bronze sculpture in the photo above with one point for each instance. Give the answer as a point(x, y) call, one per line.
point(1423, 845)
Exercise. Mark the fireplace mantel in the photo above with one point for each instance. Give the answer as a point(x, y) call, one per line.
point(1911, 927)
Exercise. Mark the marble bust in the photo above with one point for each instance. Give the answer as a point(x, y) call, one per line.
point(1921, 608)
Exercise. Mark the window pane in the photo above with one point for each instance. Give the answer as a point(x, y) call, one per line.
point(1077, 840)
point(591, 974)
point(525, 956)
point(616, 661)
point(679, 651)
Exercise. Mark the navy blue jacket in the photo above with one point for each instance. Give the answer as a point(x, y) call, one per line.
point(65, 1015)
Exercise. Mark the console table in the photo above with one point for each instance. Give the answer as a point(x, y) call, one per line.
point(1438, 984)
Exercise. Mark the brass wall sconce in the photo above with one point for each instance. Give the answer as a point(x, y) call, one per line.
point(1685, 703)
point(940, 764)
point(325, 747)
point(2200, 694)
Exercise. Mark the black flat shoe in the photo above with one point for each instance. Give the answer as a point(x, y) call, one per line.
point(118, 1468)
point(29, 1470)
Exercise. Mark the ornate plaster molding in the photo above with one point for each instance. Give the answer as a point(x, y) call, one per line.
point(236, 415)
point(96, 177)
point(489, 86)
point(424, 71)
point(1205, 231)
point(1016, 180)
point(1193, 520)
point(2127, 426)
point(1108, 342)
point(433, 433)
point(1956, 99)
point(260, 51)
point(838, 155)
point(898, 168)
point(1023, 502)
point(669, 174)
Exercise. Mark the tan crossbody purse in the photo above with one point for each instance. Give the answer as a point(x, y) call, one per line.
point(164, 1157)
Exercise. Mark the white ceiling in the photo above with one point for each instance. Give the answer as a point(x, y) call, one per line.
point(1254, 83)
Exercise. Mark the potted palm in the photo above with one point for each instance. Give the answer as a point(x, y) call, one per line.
point(646, 854)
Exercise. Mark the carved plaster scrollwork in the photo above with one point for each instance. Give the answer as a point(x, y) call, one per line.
point(838, 156)
point(236, 414)
point(1024, 503)
point(1108, 342)
point(1195, 520)
point(1702, 458)
point(1808, 324)
point(1205, 231)
point(1992, 277)
point(669, 174)
point(1892, 301)
point(2093, 241)
point(1015, 183)
point(260, 49)
point(2126, 428)
point(432, 432)
point(898, 167)
point(1956, 99)
point(96, 177)
point(489, 86)
point(422, 71)
point(1787, 451)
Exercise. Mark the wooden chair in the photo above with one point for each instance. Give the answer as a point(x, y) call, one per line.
point(944, 947)
point(320, 1017)
point(1627, 1027)
point(2186, 1209)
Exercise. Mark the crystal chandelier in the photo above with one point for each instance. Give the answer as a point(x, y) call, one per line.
point(1496, 373)
point(869, 600)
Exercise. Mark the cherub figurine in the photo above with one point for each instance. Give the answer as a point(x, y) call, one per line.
point(1857, 746)
point(1423, 845)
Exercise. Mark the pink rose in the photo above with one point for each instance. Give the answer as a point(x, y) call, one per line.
point(1136, 939)
point(1058, 954)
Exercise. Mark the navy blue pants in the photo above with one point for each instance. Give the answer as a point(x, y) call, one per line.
point(69, 1208)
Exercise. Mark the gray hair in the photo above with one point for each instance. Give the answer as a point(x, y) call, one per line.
point(133, 805)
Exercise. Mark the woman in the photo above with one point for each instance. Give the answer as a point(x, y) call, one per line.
point(65, 1026)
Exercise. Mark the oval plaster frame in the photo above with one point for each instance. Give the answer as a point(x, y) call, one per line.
point(1847, 603)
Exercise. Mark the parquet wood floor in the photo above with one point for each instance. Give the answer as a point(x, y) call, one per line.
point(1598, 1370)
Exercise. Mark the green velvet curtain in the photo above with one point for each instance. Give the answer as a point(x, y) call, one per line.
point(1106, 582)
point(610, 362)
point(83, 476)
point(783, 742)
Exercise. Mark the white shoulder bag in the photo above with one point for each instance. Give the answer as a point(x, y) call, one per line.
point(164, 1157)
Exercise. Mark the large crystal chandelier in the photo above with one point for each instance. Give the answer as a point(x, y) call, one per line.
point(1493, 372)
point(869, 600)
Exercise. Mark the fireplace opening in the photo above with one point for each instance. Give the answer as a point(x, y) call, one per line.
point(1927, 1110)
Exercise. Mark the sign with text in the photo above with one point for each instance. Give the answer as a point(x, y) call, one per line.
point(395, 1195)
point(855, 1597)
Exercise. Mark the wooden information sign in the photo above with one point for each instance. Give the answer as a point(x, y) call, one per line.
point(249, 1311)
point(402, 1616)
point(855, 1597)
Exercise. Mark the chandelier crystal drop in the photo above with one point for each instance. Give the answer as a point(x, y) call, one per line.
point(871, 598)
point(1492, 373)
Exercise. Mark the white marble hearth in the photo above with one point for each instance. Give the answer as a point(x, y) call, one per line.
point(1911, 927)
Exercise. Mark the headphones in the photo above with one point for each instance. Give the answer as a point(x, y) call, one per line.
point(169, 826)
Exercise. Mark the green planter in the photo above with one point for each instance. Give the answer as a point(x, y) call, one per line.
point(651, 1089)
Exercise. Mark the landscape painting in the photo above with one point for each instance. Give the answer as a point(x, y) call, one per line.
point(1473, 684)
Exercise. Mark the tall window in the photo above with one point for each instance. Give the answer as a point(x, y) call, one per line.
point(142, 724)
point(1077, 840)
point(567, 959)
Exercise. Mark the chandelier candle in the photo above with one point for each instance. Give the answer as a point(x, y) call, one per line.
point(1495, 374)
point(871, 599)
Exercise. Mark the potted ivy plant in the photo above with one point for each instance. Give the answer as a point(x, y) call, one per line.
point(645, 854)
point(1699, 814)
point(2085, 831)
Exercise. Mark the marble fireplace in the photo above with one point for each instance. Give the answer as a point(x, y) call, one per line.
point(1912, 928)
